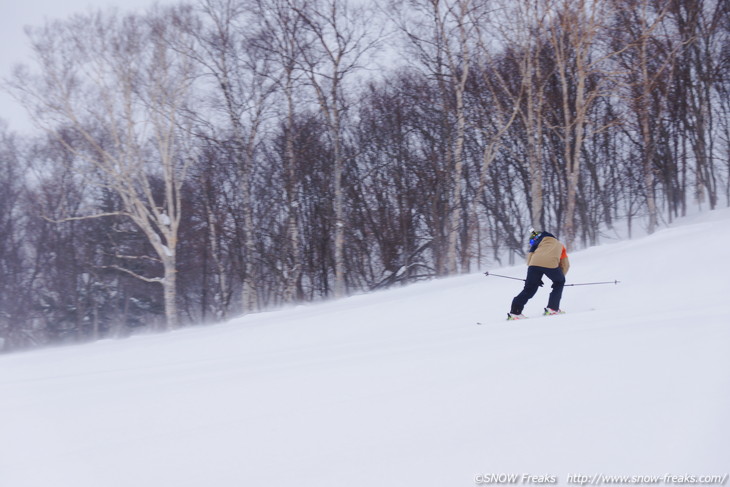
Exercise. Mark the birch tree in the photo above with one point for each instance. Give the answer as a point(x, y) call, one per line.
point(519, 92)
point(115, 83)
point(283, 38)
point(440, 32)
point(341, 38)
point(13, 245)
point(229, 53)
point(646, 65)
point(583, 77)
point(698, 23)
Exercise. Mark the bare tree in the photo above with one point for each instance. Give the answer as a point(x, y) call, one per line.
point(647, 66)
point(228, 49)
point(282, 38)
point(583, 77)
point(13, 253)
point(439, 32)
point(116, 84)
point(516, 81)
point(698, 70)
point(453, 22)
point(341, 38)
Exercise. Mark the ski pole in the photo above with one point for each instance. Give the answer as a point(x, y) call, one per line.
point(506, 277)
point(592, 283)
point(577, 284)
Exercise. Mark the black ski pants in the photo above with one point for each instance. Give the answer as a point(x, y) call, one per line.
point(534, 281)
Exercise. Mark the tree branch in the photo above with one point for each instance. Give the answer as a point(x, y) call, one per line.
point(132, 273)
point(85, 217)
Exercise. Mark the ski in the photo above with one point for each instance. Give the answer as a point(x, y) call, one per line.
point(509, 320)
point(539, 316)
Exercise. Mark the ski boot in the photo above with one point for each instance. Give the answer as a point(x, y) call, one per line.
point(550, 312)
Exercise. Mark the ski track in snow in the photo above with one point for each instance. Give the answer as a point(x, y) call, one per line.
point(399, 387)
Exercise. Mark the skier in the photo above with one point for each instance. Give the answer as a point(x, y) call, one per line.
point(546, 257)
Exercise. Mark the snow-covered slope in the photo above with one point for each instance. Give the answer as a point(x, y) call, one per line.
point(401, 387)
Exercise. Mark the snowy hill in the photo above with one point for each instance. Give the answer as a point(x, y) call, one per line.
point(401, 387)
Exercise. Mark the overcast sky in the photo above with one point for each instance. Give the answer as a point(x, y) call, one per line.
point(16, 14)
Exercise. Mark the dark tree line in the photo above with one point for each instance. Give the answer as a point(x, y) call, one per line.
point(210, 159)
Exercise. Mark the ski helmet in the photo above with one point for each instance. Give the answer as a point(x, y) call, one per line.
point(534, 235)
